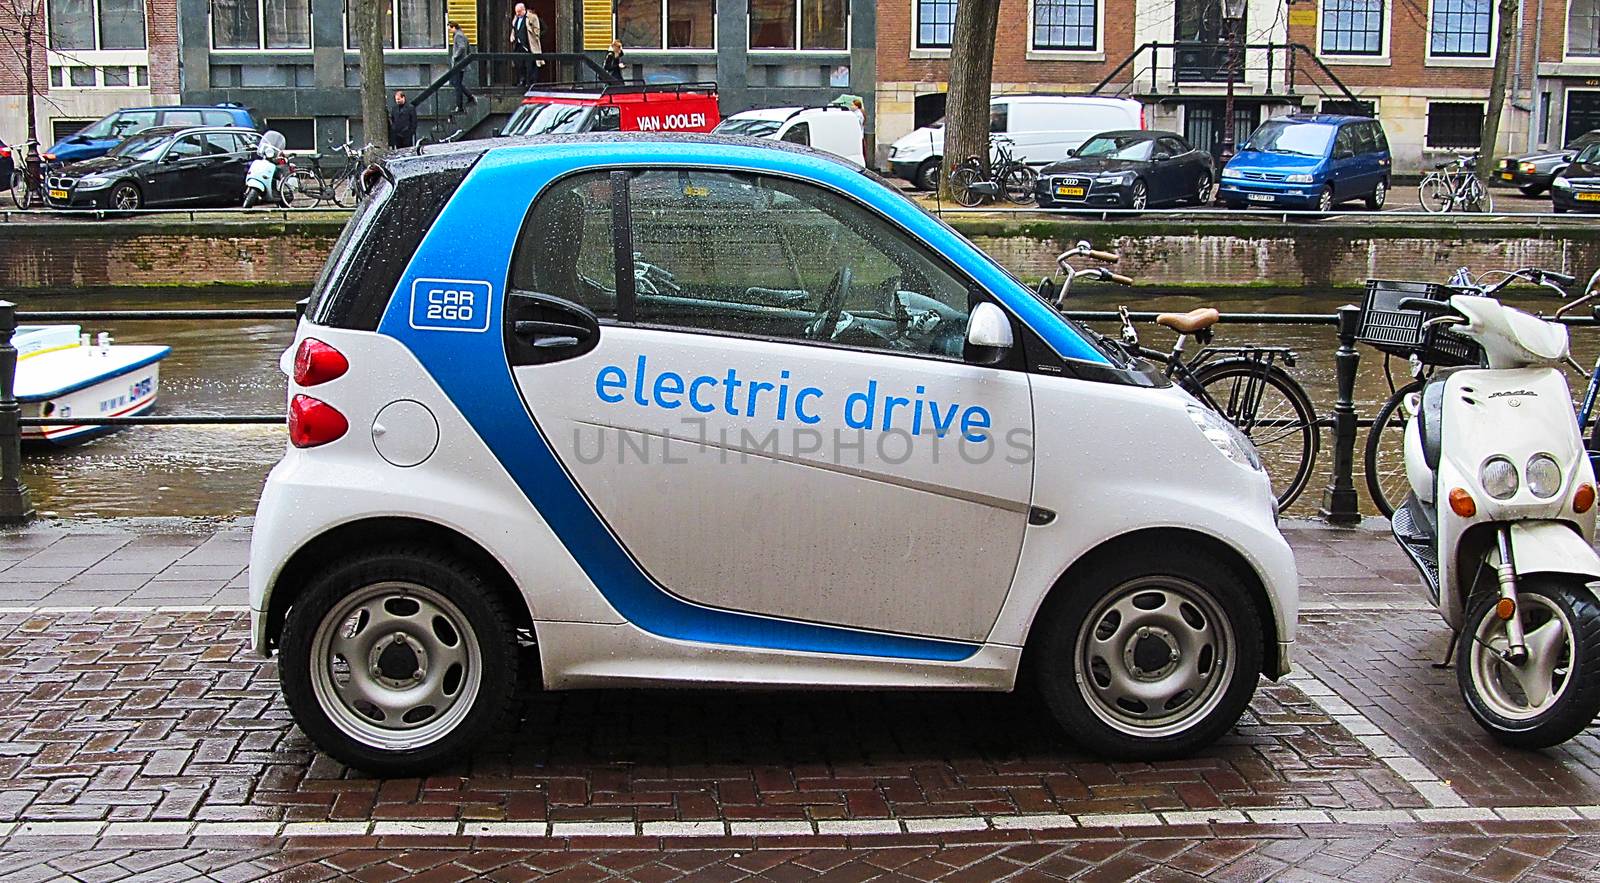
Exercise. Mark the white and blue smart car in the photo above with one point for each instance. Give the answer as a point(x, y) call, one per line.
point(696, 411)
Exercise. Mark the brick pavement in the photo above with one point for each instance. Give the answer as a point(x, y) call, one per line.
point(140, 739)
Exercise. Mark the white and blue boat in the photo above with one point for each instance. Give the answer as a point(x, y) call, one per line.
point(61, 372)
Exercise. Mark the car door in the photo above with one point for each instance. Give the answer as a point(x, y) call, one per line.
point(1345, 164)
point(774, 419)
point(179, 175)
point(224, 173)
point(1172, 169)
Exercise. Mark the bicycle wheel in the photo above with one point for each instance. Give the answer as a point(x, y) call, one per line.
point(961, 181)
point(19, 188)
point(343, 191)
point(1271, 409)
point(299, 189)
point(1476, 198)
point(1434, 193)
point(1384, 460)
point(1017, 182)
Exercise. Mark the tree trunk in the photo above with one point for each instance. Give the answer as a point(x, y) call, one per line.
point(966, 119)
point(1497, 88)
point(374, 98)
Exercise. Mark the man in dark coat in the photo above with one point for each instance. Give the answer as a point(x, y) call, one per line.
point(459, 50)
point(402, 122)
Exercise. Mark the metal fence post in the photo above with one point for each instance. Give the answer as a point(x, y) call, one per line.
point(1339, 504)
point(14, 505)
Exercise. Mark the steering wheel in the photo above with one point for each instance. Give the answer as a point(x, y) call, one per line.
point(826, 322)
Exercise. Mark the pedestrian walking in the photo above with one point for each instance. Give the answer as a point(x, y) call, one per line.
point(459, 50)
point(526, 33)
point(613, 63)
point(402, 122)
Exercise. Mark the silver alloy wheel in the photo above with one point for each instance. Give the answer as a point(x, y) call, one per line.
point(1203, 192)
point(395, 666)
point(1155, 656)
point(1141, 196)
point(1325, 201)
point(1379, 194)
point(125, 198)
point(1523, 692)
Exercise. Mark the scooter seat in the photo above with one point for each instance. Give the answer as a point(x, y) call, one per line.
point(1192, 322)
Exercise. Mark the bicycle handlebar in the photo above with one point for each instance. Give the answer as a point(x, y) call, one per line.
point(1109, 257)
point(1119, 278)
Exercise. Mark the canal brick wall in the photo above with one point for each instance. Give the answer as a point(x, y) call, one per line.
point(1248, 251)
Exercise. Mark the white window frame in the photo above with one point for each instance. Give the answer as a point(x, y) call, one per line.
point(444, 38)
point(1428, 113)
point(1566, 46)
point(1432, 60)
point(916, 29)
point(1096, 54)
point(1382, 59)
point(769, 52)
point(261, 33)
point(662, 50)
point(91, 56)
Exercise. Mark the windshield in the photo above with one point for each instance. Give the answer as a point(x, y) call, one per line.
point(546, 119)
point(1590, 153)
point(751, 127)
point(1285, 136)
point(1136, 147)
point(141, 146)
point(120, 125)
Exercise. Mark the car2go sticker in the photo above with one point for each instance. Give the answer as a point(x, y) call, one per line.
point(450, 305)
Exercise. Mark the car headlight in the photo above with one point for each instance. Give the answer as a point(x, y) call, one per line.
point(1499, 478)
point(1544, 476)
point(1117, 178)
point(1561, 184)
point(1227, 437)
point(1299, 179)
point(1232, 174)
point(93, 181)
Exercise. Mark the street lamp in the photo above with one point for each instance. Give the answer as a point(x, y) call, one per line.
point(1232, 16)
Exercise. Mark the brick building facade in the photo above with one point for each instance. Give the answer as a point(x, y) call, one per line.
point(90, 57)
point(1422, 66)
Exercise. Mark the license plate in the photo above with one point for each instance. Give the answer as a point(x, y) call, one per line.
point(1589, 197)
point(1069, 191)
point(1507, 176)
point(59, 194)
point(1261, 197)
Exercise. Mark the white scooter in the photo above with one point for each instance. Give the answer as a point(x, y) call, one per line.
point(261, 179)
point(1500, 520)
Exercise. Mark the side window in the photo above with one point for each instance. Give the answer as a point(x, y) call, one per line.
point(1172, 147)
point(753, 255)
point(999, 116)
point(217, 118)
point(131, 122)
point(181, 118)
point(220, 143)
point(800, 134)
point(186, 147)
point(1345, 143)
point(565, 247)
point(607, 119)
point(1380, 142)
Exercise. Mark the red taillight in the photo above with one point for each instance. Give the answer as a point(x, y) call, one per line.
point(5, 151)
point(315, 362)
point(314, 422)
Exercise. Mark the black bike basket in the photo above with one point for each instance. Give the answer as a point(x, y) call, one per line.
point(1400, 332)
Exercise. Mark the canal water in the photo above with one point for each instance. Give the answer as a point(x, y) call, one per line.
point(231, 368)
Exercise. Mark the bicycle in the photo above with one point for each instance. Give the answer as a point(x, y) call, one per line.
point(1396, 332)
point(1012, 177)
point(346, 188)
point(1453, 185)
point(1247, 384)
point(28, 192)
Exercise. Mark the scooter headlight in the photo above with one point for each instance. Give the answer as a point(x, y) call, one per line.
point(1499, 478)
point(1544, 476)
point(1227, 437)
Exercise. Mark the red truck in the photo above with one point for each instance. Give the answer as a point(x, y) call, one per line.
point(570, 108)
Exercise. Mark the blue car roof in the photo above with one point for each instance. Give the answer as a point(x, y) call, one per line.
point(1330, 119)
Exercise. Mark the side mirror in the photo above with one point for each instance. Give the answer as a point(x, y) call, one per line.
point(1072, 151)
point(988, 335)
point(1163, 156)
point(173, 157)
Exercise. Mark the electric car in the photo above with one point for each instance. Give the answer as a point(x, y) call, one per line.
point(698, 411)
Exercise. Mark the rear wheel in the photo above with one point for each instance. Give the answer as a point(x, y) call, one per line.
point(1380, 194)
point(1555, 693)
point(299, 189)
point(1017, 182)
point(1475, 197)
point(1151, 656)
point(961, 181)
point(397, 662)
point(1384, 459)
point(1434, 194)
point(1271, 409)
point(19, 189)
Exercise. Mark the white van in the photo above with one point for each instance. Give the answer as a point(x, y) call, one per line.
point(1043, 128)
point(833, 129)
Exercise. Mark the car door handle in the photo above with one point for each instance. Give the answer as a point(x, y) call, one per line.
point(550, 335)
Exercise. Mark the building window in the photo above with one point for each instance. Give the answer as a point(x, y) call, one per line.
point(666, 24)
point(936, 22)
point(1068, 25)
point(799, 24)
point(1454, 124)
point(96, 24)
point(261, 24)
point(1357, 108)
point(1352, 27)
point(419, 25)
point(1583, 28)
point(1460, 28)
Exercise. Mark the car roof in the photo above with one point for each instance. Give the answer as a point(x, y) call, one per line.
point(223, 106)
point(1327, 119)
point(179, 130)
point(1135, 133)
point(775, 114)
point(1053, 97)
point(415, 159)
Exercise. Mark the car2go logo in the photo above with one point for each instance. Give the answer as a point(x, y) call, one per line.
point(450, 304)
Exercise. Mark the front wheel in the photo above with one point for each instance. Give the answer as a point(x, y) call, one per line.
point(1555, 693)
point(1434, 194)
point(251, 197)
point(961, 181)
point(926, 177)
point(1204, 190)
point(1151, 656)
point(1139, 196)
point(1274, 412)
point(300, 189)
point(19, 189)
point(126, 197)
point(1384, 459)
point(1018, 182)
point(397, 661)
point(1476, 198)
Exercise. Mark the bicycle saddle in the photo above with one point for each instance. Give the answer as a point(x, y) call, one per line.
point(1192, 322)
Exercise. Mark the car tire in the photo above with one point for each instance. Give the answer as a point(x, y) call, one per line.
point(1558, 208)
point(1138, 195)
point(1205, 190)
point(435, 636)
point(1380, 193)
point(1325, 202)
point(1103, 634)
point(1531, 189)
point(926, 177)
point(125, 197)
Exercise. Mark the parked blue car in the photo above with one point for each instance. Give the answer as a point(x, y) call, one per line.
point(97, 138)
point(1310, 161)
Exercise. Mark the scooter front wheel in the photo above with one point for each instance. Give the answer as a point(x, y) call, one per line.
point(1555, 693)
point(251, 197)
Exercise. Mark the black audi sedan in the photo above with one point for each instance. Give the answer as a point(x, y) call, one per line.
point(1577, 187)
point(163, 166)
point(1532, 173)
point(1128, 169)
